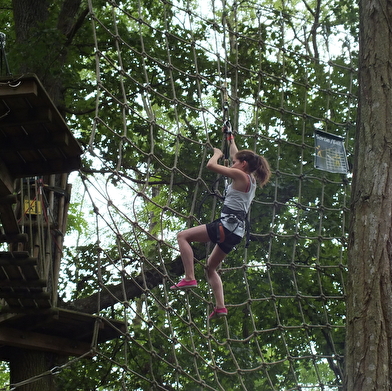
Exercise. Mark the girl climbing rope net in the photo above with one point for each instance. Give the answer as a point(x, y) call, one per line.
point(246, 169)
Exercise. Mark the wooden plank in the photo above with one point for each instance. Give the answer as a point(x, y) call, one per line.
point(26, 306)
point(43, 303)
point(12, 271)
point(3, 276)
point(27, 302)
point(24, 294)
point(13, 254)
point(7, 215)
point(18, 238)
point(8, 220)
point(31, 163)
point(61, 323)
point(42, 141)
point(20, 284)
point(34, 137)
point(108, 329)
point(17, 262)
point(43, 342)
point(38, 283)
point(19, 88)
point(25, 116)
point(6, 180)
point(26, 298)
point(30, 274)
point(20, 254)
point(15, 303)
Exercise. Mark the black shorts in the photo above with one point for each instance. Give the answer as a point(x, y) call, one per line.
point(217, 232)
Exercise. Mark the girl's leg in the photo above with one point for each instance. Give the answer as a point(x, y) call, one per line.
point(214, 279)
point(184, 239)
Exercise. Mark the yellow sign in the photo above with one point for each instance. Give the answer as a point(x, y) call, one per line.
point(32, 207)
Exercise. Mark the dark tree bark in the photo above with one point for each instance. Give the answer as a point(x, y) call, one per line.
point(369, 301)
point(27, 364)
point(43, 36)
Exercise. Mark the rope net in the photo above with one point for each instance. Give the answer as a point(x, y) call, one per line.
point(167, 75)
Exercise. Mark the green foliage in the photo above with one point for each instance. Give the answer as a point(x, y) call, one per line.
point(158, 113)
point(4, 375)
point(76, 221)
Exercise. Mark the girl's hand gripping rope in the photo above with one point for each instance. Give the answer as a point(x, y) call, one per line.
point(218, 153)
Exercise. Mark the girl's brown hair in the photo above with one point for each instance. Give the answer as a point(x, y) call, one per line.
point(257, 165)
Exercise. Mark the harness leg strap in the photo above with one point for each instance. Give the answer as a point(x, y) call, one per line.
point(221, 233)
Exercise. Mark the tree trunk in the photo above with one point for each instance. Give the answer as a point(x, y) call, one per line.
point(33, 367)
point(369, 293)
point(43, 38)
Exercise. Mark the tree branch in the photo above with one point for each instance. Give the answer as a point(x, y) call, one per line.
point(135, 287)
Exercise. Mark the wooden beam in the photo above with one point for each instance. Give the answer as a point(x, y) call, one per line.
point(18, 238)
point(7, 215)
point(7, 260)
point(26, 116)
point(31, 141)
point(25, 295)
point(6, 180)
point(42, 342)
point(24, 88)
point(45, 167)
point(15, 284)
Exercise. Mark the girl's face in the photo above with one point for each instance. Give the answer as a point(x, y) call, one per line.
point(238, 164)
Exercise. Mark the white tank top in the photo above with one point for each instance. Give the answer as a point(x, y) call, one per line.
point(238, 201)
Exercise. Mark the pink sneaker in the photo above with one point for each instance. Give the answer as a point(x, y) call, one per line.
point(184, 284)
point(217, 313)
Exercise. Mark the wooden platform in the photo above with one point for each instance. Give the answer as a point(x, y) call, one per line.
point(34, 138)
point(36, 141)
point(56, 330)
point(29, 321)
point(20, 284)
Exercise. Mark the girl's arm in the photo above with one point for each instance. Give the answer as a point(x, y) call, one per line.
point(233, 147)
point(213, 164)
point(239, 177)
